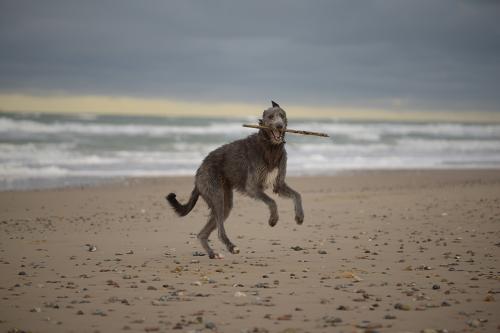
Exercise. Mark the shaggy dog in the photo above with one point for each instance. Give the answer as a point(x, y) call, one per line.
point(249, 166)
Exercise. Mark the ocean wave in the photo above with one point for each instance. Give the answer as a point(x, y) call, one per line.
point(333, 148)
point(449, 146)
point(360, 132)
point(376, 131)
point(24, 172)
point(401, 146)
point(65, 155)
point(92, 129)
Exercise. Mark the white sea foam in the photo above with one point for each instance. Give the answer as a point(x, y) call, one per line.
point(23, 172)
point(374, 131)
point(355, 131)
point(34, 127)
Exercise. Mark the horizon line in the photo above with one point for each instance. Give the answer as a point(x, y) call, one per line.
point(162, 107)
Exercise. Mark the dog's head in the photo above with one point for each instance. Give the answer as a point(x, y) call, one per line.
point(275, 119)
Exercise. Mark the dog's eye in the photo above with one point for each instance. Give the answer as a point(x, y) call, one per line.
point(271, 116)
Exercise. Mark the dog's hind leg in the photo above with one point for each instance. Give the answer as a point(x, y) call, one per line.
point(215, 199)
point(219, 218)
point(219, 211)
point(228, 202)
point(205, 233)
point(228, 205)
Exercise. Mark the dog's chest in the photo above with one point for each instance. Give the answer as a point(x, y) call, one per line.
point(270, 178)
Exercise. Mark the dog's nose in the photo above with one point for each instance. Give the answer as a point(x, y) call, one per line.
point(279, 126)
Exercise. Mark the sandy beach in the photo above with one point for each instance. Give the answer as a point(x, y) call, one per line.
point(379, 251)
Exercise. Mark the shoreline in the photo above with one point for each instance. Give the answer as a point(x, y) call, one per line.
point(385, 251)
point(92, 182)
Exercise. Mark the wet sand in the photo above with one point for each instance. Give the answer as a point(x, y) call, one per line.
point(380, 251)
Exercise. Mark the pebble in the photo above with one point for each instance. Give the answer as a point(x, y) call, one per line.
point(401, 306)
point(113, 283)
point(367, 325)
point(331, 321)
point(210, 325)
point(98, 312)
point(261, 285)
point(297, 248)
point(428, 330)
point(322, 252)
point(240, 294)
point(285, 317)
point(256, 330)
point(436, 287)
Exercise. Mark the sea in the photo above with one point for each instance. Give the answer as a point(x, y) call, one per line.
point(54, 150)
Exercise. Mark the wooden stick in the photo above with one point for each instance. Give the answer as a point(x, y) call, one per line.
point(290, 130)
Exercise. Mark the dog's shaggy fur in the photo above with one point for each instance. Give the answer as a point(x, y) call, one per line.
point(245, 165)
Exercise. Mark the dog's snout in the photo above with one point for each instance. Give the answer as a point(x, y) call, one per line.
point(279, 126)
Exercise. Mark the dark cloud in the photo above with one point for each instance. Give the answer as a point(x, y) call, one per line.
point(429, 54)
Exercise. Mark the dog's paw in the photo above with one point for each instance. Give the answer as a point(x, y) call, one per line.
point(233, 249)
point(299, 219)
point(273, 220)
point(216, 256)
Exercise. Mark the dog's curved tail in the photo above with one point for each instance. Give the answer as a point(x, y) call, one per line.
point(180, 209)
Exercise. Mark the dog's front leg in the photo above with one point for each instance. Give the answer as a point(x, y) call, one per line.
point(273, 208)
point(286, 191)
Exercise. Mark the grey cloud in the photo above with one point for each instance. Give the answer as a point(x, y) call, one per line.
point(432, 54)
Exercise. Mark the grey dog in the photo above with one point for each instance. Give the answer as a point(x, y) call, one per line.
point(249, 166)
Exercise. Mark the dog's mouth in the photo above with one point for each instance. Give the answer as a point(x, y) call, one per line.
point(277, 135)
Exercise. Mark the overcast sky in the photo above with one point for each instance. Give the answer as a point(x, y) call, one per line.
point(431, 55)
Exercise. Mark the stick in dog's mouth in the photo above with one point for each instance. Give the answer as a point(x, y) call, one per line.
point(288, 130)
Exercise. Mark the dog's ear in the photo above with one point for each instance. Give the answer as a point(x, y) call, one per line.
point(261, 122)
point(274, 104)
